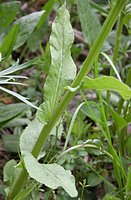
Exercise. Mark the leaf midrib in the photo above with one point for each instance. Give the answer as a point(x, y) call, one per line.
point(59, 75)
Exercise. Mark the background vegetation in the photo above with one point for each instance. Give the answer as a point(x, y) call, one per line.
point(65, 110)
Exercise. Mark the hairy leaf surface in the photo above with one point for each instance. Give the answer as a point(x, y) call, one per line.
point(51, 175)
point(62, 69)
point(29, 136)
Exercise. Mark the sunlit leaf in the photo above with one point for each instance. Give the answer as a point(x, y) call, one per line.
point(62, 69)
point(29, 136)
point(108, 83)
point(51, 175)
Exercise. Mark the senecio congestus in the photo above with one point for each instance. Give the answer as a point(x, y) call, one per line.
point(94, 51)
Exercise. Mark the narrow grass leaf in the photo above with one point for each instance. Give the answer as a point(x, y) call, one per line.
point(19, 97)
point(128, 184)
point(24, 193)
point(62, 69)
point(47, 8)
point(107, 83)
point(51, 175)
point(71, 125)
point(112, 65)
point(9, 42)
point(16, 67)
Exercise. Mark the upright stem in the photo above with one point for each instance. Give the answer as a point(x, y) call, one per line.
point(118, 38)
point(116, 48)
point(84, 71)
point(113, 15)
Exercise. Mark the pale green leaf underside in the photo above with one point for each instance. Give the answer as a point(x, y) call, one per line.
point(62, 69)
point(108, 83)
point(51, 175)
point(29, 136)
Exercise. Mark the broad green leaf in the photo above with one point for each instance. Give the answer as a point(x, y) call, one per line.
point(62, 69)
point(93, 179)
point(8, 12)
point(37, 36)
point(16, 67)
point(107, 83)
point(51, 175)
point(19, 121)
point(119, 121)
point(8, 170)
point(11, 143)
point(27, 25)
point(11, 173)
point(29, 136)
point(128, 184)
point(92, 110)
point(9, 112)
point(41, 28)
point(89, 21)
point(9, 42)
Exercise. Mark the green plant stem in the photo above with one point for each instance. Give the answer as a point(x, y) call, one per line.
point(84, 70)
point(99, 8)
point(82, 193)
point(118, 38)
point(71, 125)
point(116, 48)
point(111, 18)
point(112, 150)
